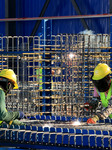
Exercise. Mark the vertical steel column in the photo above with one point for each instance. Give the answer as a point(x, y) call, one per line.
point(46, 65)
point(43, 66)
point(111, 41)
point(83, 66)
point(87, 67)
point(66, 76)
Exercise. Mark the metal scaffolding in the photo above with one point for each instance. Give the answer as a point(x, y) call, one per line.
point(54, 75)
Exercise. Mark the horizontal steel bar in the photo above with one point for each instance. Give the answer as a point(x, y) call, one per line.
point(57, 17)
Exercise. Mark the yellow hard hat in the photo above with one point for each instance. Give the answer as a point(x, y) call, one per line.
point(101, 71)
point(9, 74)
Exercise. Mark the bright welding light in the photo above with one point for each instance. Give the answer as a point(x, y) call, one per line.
point(47, 125)
point(76, 123)
point(71, 55)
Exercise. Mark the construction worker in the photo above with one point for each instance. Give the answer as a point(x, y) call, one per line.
point(8, 81)
point(102, 92)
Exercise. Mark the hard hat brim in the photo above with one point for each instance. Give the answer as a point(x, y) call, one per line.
point(15, 86)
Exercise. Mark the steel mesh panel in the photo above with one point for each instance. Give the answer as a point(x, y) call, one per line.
point(68, 60)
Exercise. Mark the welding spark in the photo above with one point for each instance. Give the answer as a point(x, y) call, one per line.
point(47, 125)
point(71, 55)
point(76, 123)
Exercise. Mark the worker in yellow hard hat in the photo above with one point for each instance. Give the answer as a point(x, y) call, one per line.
point(102, 91)
point(8, 81)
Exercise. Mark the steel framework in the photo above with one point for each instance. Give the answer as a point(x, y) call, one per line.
point(54, 75)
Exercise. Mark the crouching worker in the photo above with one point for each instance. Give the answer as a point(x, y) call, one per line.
point(102, 92)
point(8, 81)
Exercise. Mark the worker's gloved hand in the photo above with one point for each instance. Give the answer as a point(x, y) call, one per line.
point(21, 115)
point(93, 120)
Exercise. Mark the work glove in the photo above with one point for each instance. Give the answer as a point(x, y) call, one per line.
point(21, 115)
point(93, 120)
point(18, 122)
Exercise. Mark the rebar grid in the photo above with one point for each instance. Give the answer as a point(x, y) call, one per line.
point(73, 58)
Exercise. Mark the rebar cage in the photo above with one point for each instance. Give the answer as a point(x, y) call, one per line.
point(54, 75)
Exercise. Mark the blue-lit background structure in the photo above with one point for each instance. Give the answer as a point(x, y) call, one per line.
point(64, 8)
point(33, 8)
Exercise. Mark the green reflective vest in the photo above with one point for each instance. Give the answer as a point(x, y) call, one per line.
point(5, 109)
point(105, 99)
